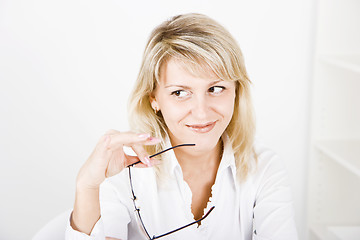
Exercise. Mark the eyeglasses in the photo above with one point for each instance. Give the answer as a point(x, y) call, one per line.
point(137, 210)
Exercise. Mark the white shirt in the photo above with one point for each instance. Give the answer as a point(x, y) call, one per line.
point(259, 208)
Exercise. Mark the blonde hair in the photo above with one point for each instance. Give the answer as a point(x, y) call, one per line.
point(200, 43)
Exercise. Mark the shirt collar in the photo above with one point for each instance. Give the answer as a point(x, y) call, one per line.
point(227, 160)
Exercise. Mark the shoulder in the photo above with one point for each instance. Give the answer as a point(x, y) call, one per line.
point(267, 159)
point(270, 173)
point(269, 165)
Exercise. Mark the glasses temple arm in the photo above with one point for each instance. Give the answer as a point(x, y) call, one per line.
point(180, 145)
point(207, 214)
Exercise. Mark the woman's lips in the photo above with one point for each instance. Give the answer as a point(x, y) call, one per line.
point(202, 128)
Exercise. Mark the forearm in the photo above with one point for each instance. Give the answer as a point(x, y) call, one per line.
point(86, 210)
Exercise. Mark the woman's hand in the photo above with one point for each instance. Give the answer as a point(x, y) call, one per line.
point(108, 157)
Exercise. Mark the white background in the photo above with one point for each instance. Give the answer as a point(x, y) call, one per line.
point(66, 70)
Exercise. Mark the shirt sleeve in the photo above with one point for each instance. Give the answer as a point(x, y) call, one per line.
point(273, 208)
point(114, 213)
point(97, 232)
point(113, 221)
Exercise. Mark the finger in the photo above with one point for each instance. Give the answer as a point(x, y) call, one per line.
point(105, 136)
point(111, 131)
point(142, 154)
point(134, 161)
point(113, 139)
point(103, 141)
point(137, 163)
point(152, 140)
point(102, 146)
point(130, 138)
point(108, 133)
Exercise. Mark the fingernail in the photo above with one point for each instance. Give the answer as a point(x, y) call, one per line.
point(147, 161)
point(154, 139)
point(144, 136)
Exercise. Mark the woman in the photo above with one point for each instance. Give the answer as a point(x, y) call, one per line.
point(192, 89)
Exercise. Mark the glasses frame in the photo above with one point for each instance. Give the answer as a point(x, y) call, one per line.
point(137, 210)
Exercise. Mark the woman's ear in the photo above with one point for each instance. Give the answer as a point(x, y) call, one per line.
point(153, 102)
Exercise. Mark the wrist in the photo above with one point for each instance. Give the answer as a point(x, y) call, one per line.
point(83, 183)
point(86, 188)
point(82, 186)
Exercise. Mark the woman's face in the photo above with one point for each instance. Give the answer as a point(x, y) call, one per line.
point(195, 109)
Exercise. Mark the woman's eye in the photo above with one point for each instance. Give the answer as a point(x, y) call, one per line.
point(216, 89)
point(180, 93)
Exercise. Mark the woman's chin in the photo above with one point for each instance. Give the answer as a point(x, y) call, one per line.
point(203, 142)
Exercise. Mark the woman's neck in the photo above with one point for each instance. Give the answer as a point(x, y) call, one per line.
point(199, 162)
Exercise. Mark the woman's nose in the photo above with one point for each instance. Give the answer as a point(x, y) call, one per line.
point(200, 107)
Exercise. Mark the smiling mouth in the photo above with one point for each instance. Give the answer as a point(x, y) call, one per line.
point(202, 128)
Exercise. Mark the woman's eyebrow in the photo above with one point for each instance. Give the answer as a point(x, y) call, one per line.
point(179, 86)
point(215, 82)
point(187, 87)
